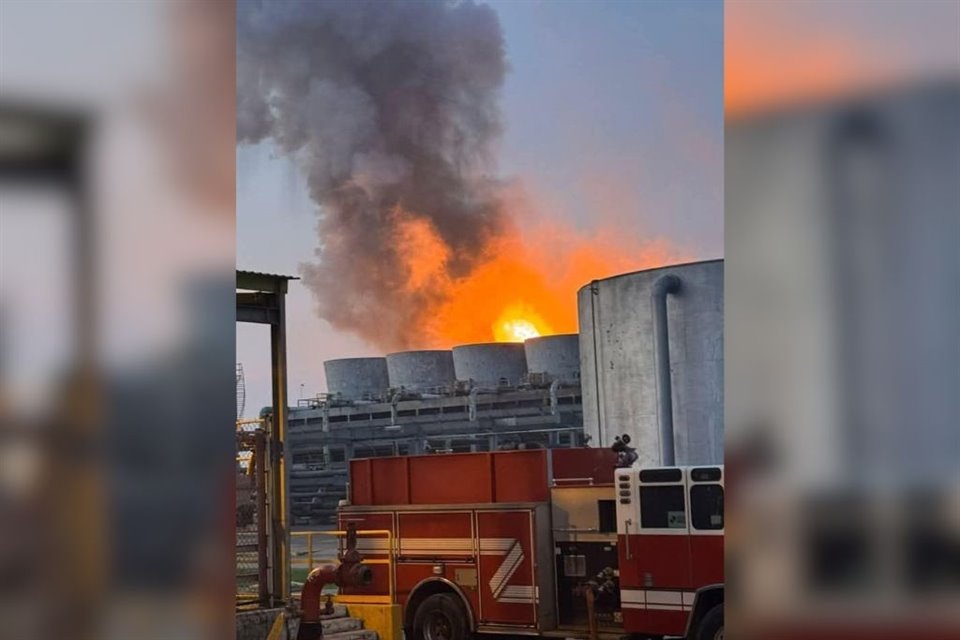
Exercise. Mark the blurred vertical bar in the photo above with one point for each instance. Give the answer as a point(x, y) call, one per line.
point(117, 438)
point(842, 210)
point(43, 148)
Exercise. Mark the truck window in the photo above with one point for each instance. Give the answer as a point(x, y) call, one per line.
point(606, 516)
point(662, 507)
point(706, 506)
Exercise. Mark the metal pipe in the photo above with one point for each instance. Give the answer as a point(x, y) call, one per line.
point(597, 368)
point(591, 613)
point(344, 575)
point(351, 572)
point(472, 409)
point(554, 400)
point(664, 285)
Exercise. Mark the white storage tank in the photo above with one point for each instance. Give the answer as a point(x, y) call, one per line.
point(357, 378)
point(557, 356)
point(651, 354)
point(490, 365)
point(421, 371)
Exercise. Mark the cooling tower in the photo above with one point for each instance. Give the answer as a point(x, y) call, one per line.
point(558, 356)
point(490, 365)
point(421, 371)
point(357, 378)
point(651, 354)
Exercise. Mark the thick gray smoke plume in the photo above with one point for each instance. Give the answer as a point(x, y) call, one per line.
point(385, 106)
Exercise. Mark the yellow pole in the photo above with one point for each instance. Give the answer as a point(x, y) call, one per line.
point(309, 551)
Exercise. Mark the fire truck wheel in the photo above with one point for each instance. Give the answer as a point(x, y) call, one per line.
point(711, 626)
point(440, 617)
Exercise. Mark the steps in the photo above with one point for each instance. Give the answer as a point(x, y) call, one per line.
point(340, 626)
point(362, 634)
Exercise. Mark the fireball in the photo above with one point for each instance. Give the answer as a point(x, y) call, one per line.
point(518, 323)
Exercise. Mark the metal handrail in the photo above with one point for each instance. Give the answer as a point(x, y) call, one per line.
point(355, 599)
point(558, 481)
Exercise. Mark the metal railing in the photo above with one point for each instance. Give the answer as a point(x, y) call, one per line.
point(362, 533)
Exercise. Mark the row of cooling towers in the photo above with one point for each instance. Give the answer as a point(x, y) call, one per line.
point(488, 366)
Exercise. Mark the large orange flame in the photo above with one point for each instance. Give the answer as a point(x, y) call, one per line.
point(524, 286)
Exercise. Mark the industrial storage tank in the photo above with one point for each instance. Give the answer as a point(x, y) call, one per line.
point(421, 371)
point(357, 378)
point(651, 354)
point(558, 356)
point(490, 365)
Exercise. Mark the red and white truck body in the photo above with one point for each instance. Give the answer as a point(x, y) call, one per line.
point(670, 543)
point(509, 538)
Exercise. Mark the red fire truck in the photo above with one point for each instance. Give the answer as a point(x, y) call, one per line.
point(511, 542)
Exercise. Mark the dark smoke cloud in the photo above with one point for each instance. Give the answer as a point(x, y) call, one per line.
point(381, 104)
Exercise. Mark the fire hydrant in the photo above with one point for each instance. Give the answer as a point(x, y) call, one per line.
point(350, 572)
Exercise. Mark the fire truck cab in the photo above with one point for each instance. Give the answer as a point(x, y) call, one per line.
point(511, 542)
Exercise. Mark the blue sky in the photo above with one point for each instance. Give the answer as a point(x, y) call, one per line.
point(614, 116)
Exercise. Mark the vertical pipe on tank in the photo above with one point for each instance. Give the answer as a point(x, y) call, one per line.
point(597, 369)
point(664, 285)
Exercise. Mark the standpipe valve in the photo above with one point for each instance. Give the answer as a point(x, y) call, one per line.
point(350, 572)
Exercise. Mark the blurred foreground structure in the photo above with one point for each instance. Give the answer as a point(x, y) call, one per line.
point(43, 149)
point(116, 262)
point(842, 227)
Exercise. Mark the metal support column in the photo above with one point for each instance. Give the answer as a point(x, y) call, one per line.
point(261, 300)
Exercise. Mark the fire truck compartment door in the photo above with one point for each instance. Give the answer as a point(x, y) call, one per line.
point(508, 589)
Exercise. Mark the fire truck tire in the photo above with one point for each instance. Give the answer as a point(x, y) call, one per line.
point(440, 617)
point(711, 625)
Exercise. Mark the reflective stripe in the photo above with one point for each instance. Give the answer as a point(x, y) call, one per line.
point(664, 597)
point(518, 594)
point(665, 607)
point(429, 546)
point(506, 569)
point(496, 546)
point(518, 591)
point(510, 548)
point(634, 596)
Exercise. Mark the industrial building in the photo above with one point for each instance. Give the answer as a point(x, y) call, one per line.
point(477, 397)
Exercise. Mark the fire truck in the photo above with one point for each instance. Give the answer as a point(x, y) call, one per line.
point(555, 543)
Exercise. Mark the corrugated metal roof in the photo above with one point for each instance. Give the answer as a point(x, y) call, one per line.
point(268, 275)
point(263, 282)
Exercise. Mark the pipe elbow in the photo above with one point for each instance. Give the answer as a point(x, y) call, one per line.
point(322, 576)
point(665, 284)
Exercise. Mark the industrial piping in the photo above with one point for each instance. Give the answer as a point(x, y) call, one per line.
point(663, 286)
point(351, 572)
